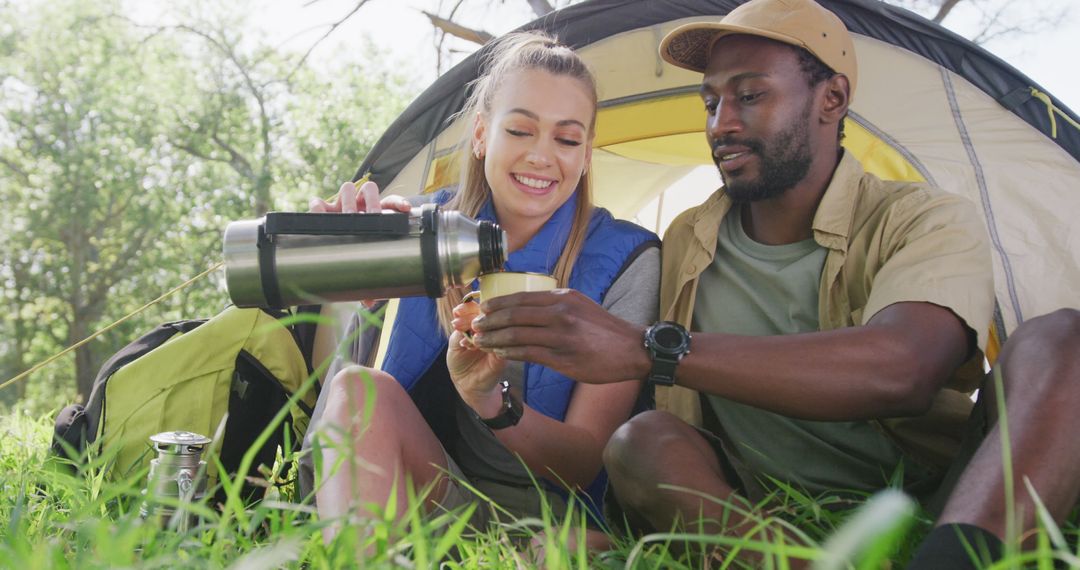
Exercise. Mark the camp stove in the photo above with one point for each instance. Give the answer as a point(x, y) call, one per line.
point(177, 473)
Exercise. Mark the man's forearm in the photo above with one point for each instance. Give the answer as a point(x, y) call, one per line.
point(892, 367)
point(838, 375)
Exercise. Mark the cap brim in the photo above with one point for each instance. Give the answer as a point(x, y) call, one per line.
point(689, 45)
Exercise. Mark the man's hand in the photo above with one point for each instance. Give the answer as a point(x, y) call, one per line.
point(565, 331)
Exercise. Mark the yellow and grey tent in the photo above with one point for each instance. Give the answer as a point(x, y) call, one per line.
point(931, 106)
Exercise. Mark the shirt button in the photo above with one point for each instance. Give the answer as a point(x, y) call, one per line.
point(690, 269)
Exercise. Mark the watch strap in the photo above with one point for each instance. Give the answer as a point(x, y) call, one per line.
point(663, 370)
point(510, 413)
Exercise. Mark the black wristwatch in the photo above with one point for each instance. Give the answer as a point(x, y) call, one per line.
point(510, 413)
point(667, 342)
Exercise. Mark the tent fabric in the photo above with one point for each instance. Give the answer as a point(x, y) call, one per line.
point(930, 106)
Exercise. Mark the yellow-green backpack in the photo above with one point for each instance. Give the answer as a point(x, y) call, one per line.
point(185, 376)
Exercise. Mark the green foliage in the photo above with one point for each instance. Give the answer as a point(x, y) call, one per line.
point(125, 149)
point(336, 117)
point(53, 519)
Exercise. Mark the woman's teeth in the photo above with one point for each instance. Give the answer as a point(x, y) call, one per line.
point(533, 182)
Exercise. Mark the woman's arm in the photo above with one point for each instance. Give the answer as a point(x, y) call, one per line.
point(569, 452)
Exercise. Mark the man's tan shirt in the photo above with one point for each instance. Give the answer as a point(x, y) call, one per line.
point(888, 242)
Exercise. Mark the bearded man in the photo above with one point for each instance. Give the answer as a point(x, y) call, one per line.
point(837, 320)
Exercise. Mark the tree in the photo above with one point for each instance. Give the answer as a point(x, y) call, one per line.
point(237, 113)
point(335, 117)
point(86, 174)
point(122, 158)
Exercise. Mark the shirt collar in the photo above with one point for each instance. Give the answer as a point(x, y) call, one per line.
point(833, 219)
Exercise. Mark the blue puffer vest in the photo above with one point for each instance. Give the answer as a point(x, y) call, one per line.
point(416, 338)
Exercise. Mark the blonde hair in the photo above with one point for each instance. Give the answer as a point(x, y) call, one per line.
point(519, 51)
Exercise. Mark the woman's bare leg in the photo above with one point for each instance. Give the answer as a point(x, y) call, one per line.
point(374, 431)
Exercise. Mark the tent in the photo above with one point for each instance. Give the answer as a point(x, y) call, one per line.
point(931, 106)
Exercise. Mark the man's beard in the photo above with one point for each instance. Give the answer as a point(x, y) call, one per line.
point(783, 163)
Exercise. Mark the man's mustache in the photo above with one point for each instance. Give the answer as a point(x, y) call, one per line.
point(756, 146)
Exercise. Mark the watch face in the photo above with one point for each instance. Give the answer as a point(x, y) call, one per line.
point(667, 343)
point(669, 338)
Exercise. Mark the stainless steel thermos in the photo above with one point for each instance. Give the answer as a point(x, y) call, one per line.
point(287, 259)
point(178, 472)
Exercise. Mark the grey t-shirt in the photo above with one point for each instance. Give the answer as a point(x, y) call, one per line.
point(758, 290)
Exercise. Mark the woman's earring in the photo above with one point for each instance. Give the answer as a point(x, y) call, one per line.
point(478, 152)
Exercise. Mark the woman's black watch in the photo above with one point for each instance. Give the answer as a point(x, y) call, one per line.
point(509, 414)
point(667, 342)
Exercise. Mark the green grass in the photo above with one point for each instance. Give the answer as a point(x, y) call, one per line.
point(52, 519)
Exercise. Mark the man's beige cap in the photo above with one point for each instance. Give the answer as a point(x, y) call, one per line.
point(801, 23)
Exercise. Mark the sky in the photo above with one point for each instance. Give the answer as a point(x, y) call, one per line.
point(399, 28)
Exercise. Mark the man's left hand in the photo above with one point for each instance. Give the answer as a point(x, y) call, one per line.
point(565, 331)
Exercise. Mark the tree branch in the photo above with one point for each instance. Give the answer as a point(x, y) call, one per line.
point(16, 170)
point(440, 39)
point(40, 144)
point(943, 11)
point(200, 154)
point(541, 7)
point(116, 269)
point(994, 27)
point(457, 30)
point(333, 27)
point(237, 160)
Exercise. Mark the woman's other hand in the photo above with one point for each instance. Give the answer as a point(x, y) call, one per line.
point(475, 373)
point(351, 199)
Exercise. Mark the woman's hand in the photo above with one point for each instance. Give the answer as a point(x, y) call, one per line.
point(475, 373)
point(350, 200)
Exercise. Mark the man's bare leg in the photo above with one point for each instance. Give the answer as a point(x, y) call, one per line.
point(1040, 367)
point(656, 448)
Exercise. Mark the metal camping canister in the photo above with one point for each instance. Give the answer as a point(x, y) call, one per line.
point(177, 473)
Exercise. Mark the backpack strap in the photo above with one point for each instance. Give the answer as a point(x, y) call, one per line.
point(140, 346)
point(304, 332)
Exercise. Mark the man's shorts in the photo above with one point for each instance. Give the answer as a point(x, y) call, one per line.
point(933, 494)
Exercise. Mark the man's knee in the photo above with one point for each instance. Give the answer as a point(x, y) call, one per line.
point(635, 441)
point(640, 454)
point(1041, 355)
point(1057, 332)
point(632, 454)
